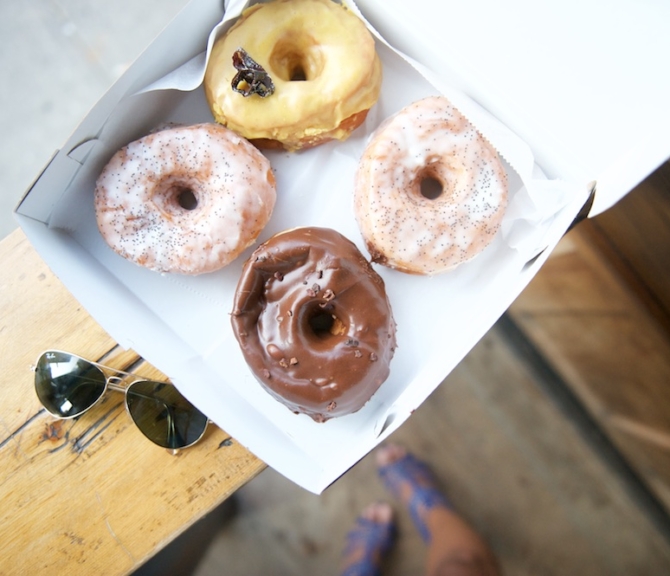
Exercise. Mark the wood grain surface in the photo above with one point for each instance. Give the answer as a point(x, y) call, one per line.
point(90, 495)
point(634, 238)
point(611, 352)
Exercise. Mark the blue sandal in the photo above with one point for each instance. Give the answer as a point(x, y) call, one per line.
point(425, 494)
point(375, 539)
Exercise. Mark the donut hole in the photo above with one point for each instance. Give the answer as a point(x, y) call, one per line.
point(296, 59)
point(430, 187)
point(174, 195)
point(186, 198)
point(297, 72)
point(324, 325)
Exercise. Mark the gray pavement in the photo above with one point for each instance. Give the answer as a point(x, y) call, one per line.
point(58, 57)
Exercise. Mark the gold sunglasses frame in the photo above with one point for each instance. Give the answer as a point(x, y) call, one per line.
point(117, 384)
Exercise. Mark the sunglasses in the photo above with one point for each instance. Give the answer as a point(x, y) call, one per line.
point(68, 385)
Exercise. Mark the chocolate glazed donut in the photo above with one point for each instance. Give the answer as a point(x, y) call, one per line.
point(314, 323)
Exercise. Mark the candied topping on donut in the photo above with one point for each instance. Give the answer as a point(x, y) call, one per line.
point(306, 342)
point(430, 191)
point(251, 77)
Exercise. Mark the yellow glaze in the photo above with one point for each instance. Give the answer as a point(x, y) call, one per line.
point(318, 40)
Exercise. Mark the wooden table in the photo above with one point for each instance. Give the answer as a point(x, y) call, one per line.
point(90, 495)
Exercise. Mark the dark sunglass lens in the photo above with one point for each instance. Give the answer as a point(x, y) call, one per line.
point(67, 385)
point(164, 415)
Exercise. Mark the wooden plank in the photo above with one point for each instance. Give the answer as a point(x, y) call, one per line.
point(91, 495)
point(607, 348)
point(634, 236)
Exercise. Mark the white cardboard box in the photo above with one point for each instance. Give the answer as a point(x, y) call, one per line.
point(476, 53)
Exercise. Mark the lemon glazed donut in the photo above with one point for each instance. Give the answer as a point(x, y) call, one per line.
point(187, 199)
point(314, 323)
point(324, 69)
point(430, 192)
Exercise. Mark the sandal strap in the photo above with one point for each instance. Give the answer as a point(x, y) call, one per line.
point(424, 499)
point(363, 568)
point(425, 495)
point(371, 536)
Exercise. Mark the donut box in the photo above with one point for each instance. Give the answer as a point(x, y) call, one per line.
point(181, 324)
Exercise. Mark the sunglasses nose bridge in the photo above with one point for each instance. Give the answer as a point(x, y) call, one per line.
point(115, 382)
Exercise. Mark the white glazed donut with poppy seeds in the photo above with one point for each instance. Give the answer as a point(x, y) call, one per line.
point(187, 199)
point(430, 191)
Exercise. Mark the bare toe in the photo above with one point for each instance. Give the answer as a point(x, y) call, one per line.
point(369, 540)
point(411, 481)
point(379, 512)
point(389, 453)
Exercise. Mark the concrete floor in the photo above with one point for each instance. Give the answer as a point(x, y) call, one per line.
point(511, 460)
point(58, 57)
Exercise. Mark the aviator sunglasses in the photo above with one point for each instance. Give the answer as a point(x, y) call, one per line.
point(68, 385)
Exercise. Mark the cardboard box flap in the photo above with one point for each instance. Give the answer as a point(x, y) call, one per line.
point(582, 82)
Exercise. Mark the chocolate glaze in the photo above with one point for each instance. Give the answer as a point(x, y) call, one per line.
point(314, 323)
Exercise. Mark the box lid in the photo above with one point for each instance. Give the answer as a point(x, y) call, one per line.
point(583, 82)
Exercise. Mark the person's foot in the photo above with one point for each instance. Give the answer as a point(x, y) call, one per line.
point(369, 540)
point(453, 546)
point(412, 482)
